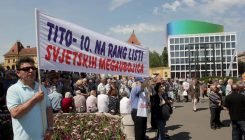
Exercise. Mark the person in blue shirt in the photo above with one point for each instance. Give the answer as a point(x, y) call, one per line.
point(29, 105)
point(140, 123)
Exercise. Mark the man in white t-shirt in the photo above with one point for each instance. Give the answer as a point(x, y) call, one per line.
point(101, 87)
point(103, 102)
point(91, 102)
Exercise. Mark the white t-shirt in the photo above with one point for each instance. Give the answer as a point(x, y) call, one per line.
point(91, 103)
point(103, 102)
point(101, 88)
point(125, 106)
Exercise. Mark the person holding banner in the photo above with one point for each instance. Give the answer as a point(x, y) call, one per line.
point(29, 105)
point(139, 95)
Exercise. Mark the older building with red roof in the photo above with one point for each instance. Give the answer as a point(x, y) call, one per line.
point(17, 51)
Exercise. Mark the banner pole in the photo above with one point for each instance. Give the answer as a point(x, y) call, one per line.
point(42, 105)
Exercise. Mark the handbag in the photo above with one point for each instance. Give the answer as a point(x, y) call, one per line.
point(165, 112)
point(185, 93)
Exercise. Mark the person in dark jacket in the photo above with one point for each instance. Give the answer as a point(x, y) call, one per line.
point(235, 104)
point(215, 99)
point(160, 99)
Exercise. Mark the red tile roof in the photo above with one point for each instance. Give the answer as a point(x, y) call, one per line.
point(18, 49)
point(31, 51)
point(15, 49)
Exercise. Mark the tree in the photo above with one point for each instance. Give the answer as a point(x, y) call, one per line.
point(155, 59)
point(164, 57)
point(241, 67)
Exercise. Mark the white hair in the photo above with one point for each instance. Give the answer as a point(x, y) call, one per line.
point(68, 95)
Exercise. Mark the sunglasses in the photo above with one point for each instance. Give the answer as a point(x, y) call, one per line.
point(28, 68)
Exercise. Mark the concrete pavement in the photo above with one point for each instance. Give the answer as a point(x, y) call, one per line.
point(184, 124)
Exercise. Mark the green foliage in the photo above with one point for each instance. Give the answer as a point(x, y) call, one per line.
point(165, 57)
point(241, 67)
point(157, 60)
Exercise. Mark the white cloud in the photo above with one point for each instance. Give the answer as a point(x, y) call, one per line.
point(213, 7)
point(189, 3)
point(118, 3)
point(156, 11)
point(172, 6)
point(140, 28)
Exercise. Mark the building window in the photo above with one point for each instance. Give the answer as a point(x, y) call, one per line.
point(176, 40)
point(171, 47)
point(228, 45)
point(182, 47)
point(228, 52)
point(206, 39)
point(166, 74)
point(172, 54)
point(228, 38)
point(172, 68)
point(177, 60)
point(192, 40)
point(218, 59)
point(172, 61)
point(232, 37)
point(212, 39)
point(176, 47)
point(171, 41)
point(186, 40)
point(196, 39)
point(176, 54)
point(222, 38)
point(177, 67)
point(181, 40)
point(8, 60)
point(182, 54)
point(217, 38)
point(233, 45)
point(182, 67)
point(13, 60)
point(201, 39)
point(228, 59)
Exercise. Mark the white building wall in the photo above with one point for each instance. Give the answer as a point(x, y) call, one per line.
point(178, 50)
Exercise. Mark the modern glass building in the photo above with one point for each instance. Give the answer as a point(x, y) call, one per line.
point(199, 49)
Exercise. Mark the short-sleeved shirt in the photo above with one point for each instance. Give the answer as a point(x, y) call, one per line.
point(91, 103)
point(28, 126)
point(55, 99)
point(103, 102)
point(125, 107)
point(134, 96)
point(235, 102)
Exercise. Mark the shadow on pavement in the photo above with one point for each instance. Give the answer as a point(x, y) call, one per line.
point(181, 136)
point(173, 127)
point(178, 106)
point(200, 109)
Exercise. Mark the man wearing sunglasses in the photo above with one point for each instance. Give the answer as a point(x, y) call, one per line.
point(28, 104)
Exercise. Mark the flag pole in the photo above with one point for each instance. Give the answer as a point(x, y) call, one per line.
point(42, 105)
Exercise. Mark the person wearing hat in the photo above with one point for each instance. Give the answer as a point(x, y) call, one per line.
point(140, 123)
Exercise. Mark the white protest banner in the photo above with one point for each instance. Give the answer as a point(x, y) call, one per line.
point(64, 46)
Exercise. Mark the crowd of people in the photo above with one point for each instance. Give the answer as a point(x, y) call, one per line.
point(74, 92)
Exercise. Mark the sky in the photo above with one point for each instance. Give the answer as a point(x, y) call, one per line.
point(118, 18)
